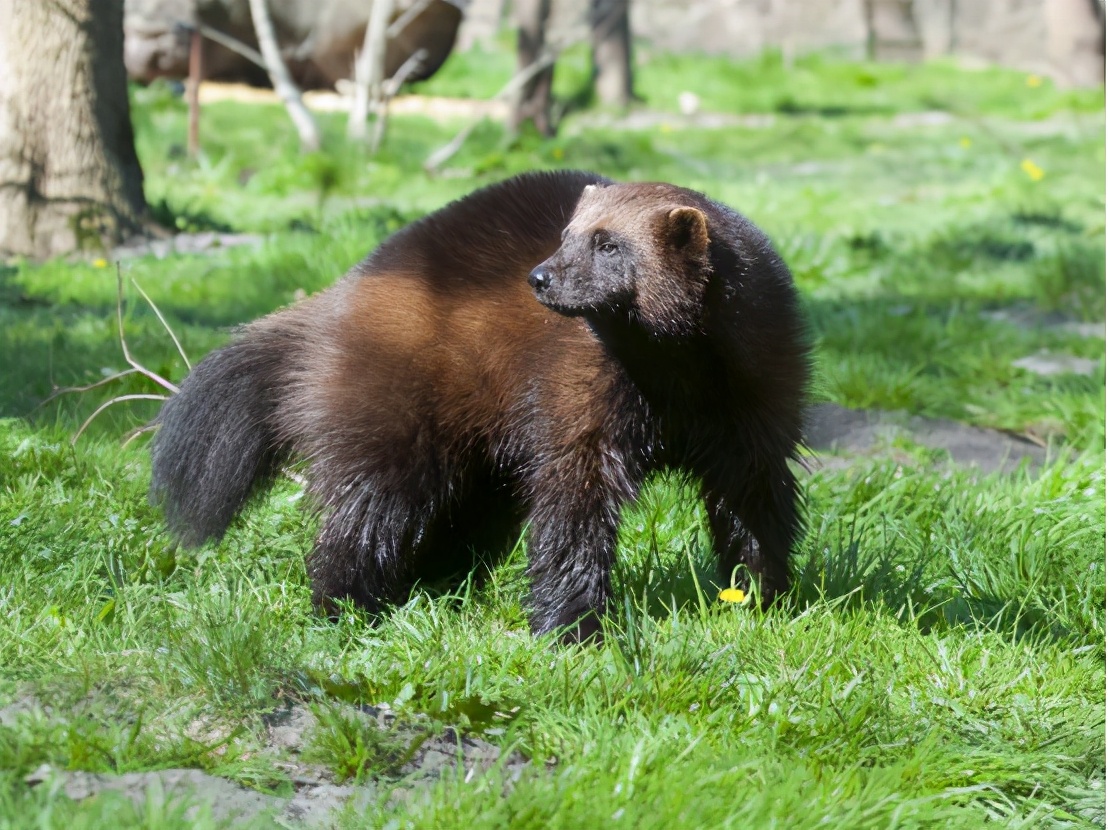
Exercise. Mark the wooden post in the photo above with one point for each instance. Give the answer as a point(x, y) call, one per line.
point(196, 73)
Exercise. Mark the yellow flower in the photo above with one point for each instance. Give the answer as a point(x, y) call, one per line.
point(558, 153)
point(666, 127)
point(965, 142)
point(99, 262)
point(1033, 171)
point(732, 595)
point(1034, 81)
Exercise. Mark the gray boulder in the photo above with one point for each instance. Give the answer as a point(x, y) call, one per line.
point(318, 38)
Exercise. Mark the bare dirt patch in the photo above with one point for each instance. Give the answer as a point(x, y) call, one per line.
point(316, 796)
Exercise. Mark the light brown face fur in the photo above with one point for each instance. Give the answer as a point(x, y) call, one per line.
point(634, 250)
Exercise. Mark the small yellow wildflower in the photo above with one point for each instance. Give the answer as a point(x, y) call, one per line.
point(558, 153)
point(1033, 171)
point(965, 143)
point(99, 262)
point(1034, 81)
point(732, 595)
point(666, 127)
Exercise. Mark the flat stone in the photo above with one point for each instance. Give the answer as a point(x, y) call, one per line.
point(205, 242)
point(1048, 365)
point(834, 429)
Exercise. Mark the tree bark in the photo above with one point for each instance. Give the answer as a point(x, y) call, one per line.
point(1075, 41)
point(611, 51)
point(69, 175)
point(533, 100)
point(894, 33)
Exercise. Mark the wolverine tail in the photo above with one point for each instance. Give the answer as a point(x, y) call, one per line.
point(216, 440)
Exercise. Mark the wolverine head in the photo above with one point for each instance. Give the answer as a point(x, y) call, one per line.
point(639, 251)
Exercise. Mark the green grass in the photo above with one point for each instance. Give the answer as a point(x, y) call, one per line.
point(941, 661)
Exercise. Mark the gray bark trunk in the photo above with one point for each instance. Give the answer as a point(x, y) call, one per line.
point(894, 33)
point(532, 103)
point(1075, 41)
point(69, 176)
point(611, 51)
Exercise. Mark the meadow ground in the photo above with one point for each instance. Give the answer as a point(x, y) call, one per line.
point(941, 662)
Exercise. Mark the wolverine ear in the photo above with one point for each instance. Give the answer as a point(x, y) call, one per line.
point(688, 228)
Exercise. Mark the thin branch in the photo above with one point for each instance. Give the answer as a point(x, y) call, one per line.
point(447, 151)
point(137, 431)
point(228, 42)
point(113, 401)
point(65, 390)
point(411, 13)
point(154, 376)
point(165, 325)
point(136, 368)
point(388, 90)
point(408, 68)
point(279, 76)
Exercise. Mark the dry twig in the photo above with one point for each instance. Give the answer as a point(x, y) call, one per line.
point(136, 368)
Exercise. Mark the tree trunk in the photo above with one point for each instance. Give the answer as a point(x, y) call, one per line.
point(1075, 41)
point(611, 51)
point(533, 100)
point(894, 33)
point(69, 176)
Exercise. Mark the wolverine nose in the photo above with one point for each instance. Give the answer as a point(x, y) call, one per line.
point(539, 278)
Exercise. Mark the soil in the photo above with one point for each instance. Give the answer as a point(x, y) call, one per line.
point(316, 795)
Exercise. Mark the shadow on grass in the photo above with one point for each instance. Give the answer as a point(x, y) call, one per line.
point(853, 576)
point(667, 564)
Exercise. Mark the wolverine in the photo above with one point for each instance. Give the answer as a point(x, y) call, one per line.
point(524, 357)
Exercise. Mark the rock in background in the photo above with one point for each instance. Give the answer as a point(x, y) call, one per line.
point(317, 37)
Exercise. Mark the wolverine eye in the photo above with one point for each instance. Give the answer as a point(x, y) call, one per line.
point(607, 247)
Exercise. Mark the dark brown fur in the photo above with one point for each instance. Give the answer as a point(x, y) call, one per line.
point(439, 405)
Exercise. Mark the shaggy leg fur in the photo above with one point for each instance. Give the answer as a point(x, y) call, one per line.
point(572, 541)
point(754, 525)
point(364, 550)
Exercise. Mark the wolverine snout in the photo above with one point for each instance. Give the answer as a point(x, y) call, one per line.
point(540, 278)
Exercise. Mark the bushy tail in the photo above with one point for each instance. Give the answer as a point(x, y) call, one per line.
point(215, 440)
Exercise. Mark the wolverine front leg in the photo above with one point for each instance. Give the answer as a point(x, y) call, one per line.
point(574, 522)
point(754, 522)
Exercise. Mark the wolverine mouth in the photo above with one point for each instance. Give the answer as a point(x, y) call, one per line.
point(563, 308)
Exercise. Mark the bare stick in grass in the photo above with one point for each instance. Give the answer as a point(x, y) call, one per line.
point(154, 376)
point(112, 402)
point(136, 368)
